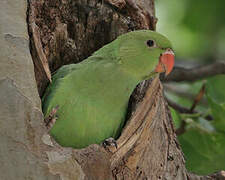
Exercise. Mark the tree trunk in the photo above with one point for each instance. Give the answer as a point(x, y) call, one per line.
point(63, 32)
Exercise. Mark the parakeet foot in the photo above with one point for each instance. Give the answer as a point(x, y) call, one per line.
point(109, 142)
point(51, 118)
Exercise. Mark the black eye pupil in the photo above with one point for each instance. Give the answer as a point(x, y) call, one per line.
point(150, 43)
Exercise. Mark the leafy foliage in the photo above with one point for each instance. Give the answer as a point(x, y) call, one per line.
point(197, 31)
point(203, 141)
point(216, 99)
point(204, 151)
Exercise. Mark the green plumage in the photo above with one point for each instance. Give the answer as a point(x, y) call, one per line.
point(93, 95)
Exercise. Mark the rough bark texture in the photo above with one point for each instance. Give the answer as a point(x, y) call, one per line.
point(69, 31)
point(62, 32)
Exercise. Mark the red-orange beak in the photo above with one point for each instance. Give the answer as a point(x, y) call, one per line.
point(166, 62)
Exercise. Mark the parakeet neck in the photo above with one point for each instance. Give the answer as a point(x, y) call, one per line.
point(128, 60)
point(111, 54)
point(137, 67)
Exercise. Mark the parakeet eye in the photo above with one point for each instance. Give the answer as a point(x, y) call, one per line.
point(150, 43)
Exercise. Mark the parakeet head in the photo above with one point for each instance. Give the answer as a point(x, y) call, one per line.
point(144, 53)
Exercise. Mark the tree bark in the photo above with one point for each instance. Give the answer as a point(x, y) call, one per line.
point(63, 32)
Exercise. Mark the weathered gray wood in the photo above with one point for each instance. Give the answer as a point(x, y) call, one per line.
point(21, 120)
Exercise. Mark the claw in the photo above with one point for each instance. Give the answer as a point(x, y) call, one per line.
point(109, 142)
point(51, 118)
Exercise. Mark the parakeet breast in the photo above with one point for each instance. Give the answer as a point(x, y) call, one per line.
point(92, 102)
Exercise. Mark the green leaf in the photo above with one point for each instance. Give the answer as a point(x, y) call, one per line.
point(216, 88)
point(216, 99)
point(204, 151)
point(218, 112)
point(203, 143)
point(176, 118)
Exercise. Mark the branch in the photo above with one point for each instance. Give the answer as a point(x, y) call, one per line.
point(198, 97)
point(173, 88)
point(184, 110)
point(183, 74)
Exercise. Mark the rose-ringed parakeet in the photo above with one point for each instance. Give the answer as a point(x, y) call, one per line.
point(91, 97)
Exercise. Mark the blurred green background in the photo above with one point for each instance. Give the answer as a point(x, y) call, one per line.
point(197, 32)
point(196, 28)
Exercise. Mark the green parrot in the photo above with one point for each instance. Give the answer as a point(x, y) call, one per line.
point(91, 98)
